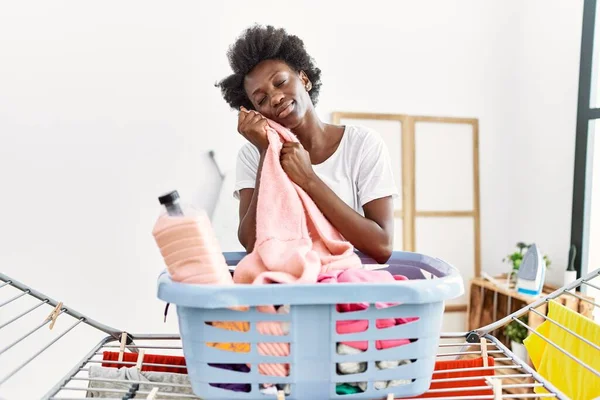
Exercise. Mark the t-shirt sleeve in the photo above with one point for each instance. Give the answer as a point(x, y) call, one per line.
point(245, 169)
point(375, 176)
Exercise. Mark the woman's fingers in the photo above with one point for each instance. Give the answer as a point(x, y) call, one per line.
point(256, 118)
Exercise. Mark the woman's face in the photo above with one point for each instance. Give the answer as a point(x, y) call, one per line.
point(278, 92)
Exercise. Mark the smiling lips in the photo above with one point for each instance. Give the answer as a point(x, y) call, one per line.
point(286, 109)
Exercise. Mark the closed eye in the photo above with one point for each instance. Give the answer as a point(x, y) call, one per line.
point(260, 103)
point(280, 83)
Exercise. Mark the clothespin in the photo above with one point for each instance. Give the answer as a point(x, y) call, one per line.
point(140, 360)
point(496, 385)
point(152, 394)
point(390, 396)
point(280, 395)
point(54, 314)
point(123, 343)
point(484, 353)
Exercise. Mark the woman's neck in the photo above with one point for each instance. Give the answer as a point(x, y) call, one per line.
point(311, 132)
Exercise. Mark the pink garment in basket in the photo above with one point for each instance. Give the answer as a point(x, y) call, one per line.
point(294, 240)
point(356, 326)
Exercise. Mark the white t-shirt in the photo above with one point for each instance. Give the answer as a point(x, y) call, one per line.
point(358, 172)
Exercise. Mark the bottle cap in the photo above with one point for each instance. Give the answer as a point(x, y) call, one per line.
point(169, 198)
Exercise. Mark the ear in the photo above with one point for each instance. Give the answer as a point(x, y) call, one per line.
point(305, 81)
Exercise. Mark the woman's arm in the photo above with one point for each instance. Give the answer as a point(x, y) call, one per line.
point(372, 234)
point(253, 126)
point(247, 211)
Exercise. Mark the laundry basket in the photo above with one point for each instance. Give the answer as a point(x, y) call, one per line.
point(313, 339)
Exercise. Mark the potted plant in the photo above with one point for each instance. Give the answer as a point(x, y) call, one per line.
point(516, 333)
point(516, 258)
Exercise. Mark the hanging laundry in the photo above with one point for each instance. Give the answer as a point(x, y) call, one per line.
point(568, 376)
point(104, 382)
point(294, 240)
point(170, 362)
point(449, 368)
point(170, 365)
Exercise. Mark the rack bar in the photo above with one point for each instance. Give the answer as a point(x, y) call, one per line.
point(31, 332)
point(471, 378)
point(486, 387)
point(75, 314)
point(495, 367)
point(23, 314)
point(65, 380)
point(131, 381)
point(123, 391)
point(464, 353)
point(5, 284)
point(590, 285)
point(130, 363)
point(582, 298)
point(566, 329)
point(547, 385)
point(564, 290)
point(131, 346)
point(13, 299)
point(20, 367)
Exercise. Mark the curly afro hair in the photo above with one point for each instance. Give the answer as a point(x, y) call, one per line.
point(257, 44)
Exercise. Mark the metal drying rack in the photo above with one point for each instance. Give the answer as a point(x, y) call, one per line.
point(514, 373)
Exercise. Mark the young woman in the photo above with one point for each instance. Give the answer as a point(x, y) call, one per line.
point(346, 170)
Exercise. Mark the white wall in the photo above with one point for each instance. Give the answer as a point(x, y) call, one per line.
point(104, 106)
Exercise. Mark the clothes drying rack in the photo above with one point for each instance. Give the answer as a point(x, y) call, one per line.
point(514, 374)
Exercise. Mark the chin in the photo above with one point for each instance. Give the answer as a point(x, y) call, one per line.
point(290, 122)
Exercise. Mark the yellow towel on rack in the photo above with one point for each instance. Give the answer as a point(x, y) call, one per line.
point(563, 372)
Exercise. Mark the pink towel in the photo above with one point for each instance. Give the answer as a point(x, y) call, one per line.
point(294, 240)
point(355, 326)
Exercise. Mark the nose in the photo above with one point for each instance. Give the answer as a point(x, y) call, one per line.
point(276, 99)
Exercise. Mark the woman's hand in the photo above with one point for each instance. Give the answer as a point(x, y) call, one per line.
point(295, 161)
point(253, 126)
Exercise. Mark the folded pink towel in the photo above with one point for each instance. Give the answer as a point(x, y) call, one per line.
point(294, 240)
point(355, 326)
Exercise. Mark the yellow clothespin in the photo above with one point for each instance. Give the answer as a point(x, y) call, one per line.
point(484, 353)
point(496, 385)
point(123, 343)
point(281, 395)
point(140, 360)
point(54, 314)
point(390, 396)
point(152, 394)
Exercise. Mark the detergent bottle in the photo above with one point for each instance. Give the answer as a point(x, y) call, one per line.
point(188, 244)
